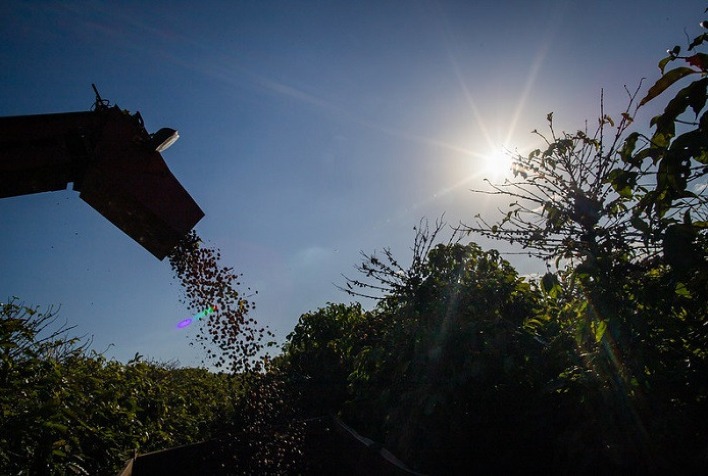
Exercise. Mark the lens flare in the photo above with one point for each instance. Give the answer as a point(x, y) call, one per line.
point(196, 317)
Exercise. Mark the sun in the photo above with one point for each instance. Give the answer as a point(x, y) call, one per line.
point(497, 164)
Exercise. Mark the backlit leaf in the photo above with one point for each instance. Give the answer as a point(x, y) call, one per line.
point(599, 331)
point(666, 81)
point(664, 62)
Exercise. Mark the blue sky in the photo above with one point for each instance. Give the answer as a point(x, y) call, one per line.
point(310, 131)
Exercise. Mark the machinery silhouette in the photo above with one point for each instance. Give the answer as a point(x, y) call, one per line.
point(112, 161)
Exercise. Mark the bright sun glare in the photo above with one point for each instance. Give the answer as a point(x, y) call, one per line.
point(497, 165)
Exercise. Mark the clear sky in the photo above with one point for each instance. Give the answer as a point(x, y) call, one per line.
point(310, 131)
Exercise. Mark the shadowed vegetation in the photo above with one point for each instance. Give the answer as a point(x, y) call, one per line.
point(462, 365)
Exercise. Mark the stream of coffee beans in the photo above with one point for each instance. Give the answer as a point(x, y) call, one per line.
point(232, 340)
point(270, 438)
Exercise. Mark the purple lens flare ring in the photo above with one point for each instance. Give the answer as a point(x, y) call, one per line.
point(196, 317)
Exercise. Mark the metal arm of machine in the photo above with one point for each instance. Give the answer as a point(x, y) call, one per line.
point(111, 160)
point(44, 153)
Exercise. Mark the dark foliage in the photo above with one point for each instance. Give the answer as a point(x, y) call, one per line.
point(598, 366)
point(66, 410)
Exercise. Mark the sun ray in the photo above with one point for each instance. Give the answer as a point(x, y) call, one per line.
point(531, 79)
point(470, 101)
point(552, 25)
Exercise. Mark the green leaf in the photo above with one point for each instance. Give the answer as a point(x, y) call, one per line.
point(599, 331)
point(55, 426)
point(698, 40)
point(690, 144)
point(682, 291)
point(622, 181)
point(697, 94)
point(549, 282)
point(640, 225)
point(628, 147)
point(679, 250)
point(664, 62)
point(666, 81)
point(663, 138)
